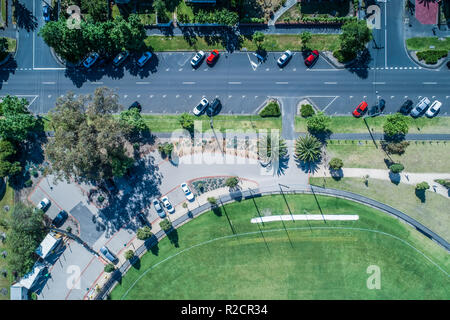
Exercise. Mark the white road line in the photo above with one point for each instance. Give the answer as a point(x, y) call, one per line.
point(329, 82)
point(41, 69)
point(234, 82)
point(97, 82)
point(312, 70)
point(188, 82)
point(142, 82)
point(429, 82)
point(385, 36)
point(331, 103)
point(282, 82)
point(48, 82)
point(375, 82)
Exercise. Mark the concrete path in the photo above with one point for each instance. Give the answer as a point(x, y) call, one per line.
point(289, 4)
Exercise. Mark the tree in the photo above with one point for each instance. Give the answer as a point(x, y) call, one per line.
point(318, 123)
point(129, 254)
point(97, 9)
point(307, 110)
point(336, 164)
point(396, 126)
point(88, 141)
point(396, 167)
point(144, 233)
point(422, 186)
point(166, 149)
point(187, 122)
point(16, 122)
point(267, 152)
point(25, 232)
point(258, 37)
point(109, 268)
point(354, 37)
point(305, 37)
point(212, 201)
point(232, 182)
point(132, 121)
point(8, 167)
point(165, 225)
point(159, 6)
point(308, 148)
point(3, 48)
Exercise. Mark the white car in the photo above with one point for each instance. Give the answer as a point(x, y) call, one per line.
point(434, 108)
point(158, 208)
point(201, 107)
point(197, 59)
point(43, 204)
point(168, 205)
point(284, 58)
point(187, 193)
point(144, 58)
point(90, 60)
point(422, 105)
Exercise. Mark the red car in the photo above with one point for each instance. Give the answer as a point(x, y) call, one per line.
point(312, 58)
point(360, 109)
point(212, 57)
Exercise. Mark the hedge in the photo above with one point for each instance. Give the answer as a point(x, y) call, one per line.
point(306, 110)
point(431, 56)
point(272, 109)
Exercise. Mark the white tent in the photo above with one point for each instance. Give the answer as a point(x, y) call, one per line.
point(17, 292)
point(28, 280)
point(47, 245)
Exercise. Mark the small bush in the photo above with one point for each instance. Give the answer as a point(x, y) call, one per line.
point(232, 182)
point(109, 268)
point(129, 254)
point(395, 147)
point(28, 183)
point(101, 199)
point(343, 56)
point(422, 186)
point(35, 173)
point(319, 123)
point(144, 233)
point(165, 225)
point(69, 229)
point(431, 56)
point(272, 109)
point(336, 164)
point(445, 183)
point(396, 168)
point(307, 110)
point(212, 200)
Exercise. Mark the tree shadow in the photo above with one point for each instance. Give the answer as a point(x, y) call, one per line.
point(336, 174)
point(308, 167)
point(7, 69)
point(421, 195)
point(24, 17)
point(217, 210)
point(152, 245)
point(136, 263)
point(360, 66)
point(172, 234)
point(394, 177)
point(282, 165)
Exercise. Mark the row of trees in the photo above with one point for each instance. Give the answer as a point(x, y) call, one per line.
point(107, 37)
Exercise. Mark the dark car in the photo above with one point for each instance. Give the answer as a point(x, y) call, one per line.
point(406, 107)
point(136, 105)
point(120, 58)
point(213, 108)
point(108, 254)
point(60, 218)
point(377, 109)
point(448, 64)
point(46, 13)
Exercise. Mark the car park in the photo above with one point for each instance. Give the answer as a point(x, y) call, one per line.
point(108, 254)
point(312, 58)
point(197, 59)
point(213, 108)
point(144, 59)
point(284, 58)
point(136, 105)
point(90, 60)
point(420, 107)
point(360, 109)
point(158, 208)
point(406, 107)
point(213, 56)
point(168, 205)
point(43, 204)
point(187, 192)
point(201, 107)
point(46, 13)
point(120, 58)
point(60, 218)
point(433, 109)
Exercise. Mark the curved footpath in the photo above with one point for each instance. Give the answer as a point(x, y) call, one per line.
point(269, 190)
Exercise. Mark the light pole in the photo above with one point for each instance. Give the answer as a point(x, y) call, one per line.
point(282, 193)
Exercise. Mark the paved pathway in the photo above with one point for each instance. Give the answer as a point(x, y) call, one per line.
point(289, 4)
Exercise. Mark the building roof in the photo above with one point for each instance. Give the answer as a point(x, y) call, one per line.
point(17, 292)
point(28, 280)
point(47, 245)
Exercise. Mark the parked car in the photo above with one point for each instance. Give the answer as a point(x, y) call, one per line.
point(197, 59)
point(144, 59)
point(213, 56)
point(433, 109)
point(108, 254)
point(213, 108)
point(46, 13)
point(136, 105)
point(420, 107)
point(168, 205)
point(360, 109)
point(448, 64)
point(120, 58)
point(43, 204)
point(158, 208)
point(90, 60)
point(201, 107)
point(312, 58)
point(187, 192)
point(284, 58)
point(60, 218)
point(406, 107)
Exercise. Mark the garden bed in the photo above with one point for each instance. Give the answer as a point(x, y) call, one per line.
point(330, 12)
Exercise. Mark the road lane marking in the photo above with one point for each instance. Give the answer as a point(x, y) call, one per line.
point(48, 82)
point(329, 82)
point(375, 82)
point(98, 82)
point(282, 82)
point(429, 82)
point(188, 82)
point(234, 82)
point(142, 82)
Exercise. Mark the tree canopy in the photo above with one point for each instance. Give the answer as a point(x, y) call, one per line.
point(15, 119)
point(354, 37)
point(396, 126)
point(8, 167)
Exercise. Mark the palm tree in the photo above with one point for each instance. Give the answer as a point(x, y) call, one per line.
point(308, 148)
point(265, 149)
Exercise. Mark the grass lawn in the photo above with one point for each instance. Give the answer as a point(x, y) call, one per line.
point(11, 44)
point(7, 198)
point(433, 213)
point(3, 8)
point(307, 260)
point(424, 43)
point(185, 13)
point(321, 42)
point(420, 156)
point(350, 124)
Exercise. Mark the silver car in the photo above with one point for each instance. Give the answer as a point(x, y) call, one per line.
point(420, 107)
point(197, 59)
point(158, 208)
point(200, 107)
point(284, 58)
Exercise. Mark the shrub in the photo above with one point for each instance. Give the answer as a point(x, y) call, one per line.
point(144, 233)
point(101, 199)
point(129, 254)
point(445, 183)
point(69, 229)
point(318, 123)
point(395, 147)
point(165, 224)
point(336, 164)
point(28, 183)
point(396, 168)
point(166, 149)
point(422, 186)
point(343, 57)
point(308, 148)
point(307, 110)
point(109, 268)
point(232, 182)
point(396, 126)
point(34, 173)
point(212, 200)
point(431, 56)
point(272, 109)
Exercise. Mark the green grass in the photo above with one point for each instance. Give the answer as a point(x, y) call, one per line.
point(3, 8)
point(11, 45)
point(6, 198)
point(319, 9)
point(433, 213)
point(424, 43)
point(420, 156)
point(321, 42)
point(350, 124)
point(185, 10)
point(294, 264)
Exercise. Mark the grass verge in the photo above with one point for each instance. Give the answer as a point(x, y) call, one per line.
point(424, 43)
point(6, 199)
point(287, 263)
point(432, 213)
